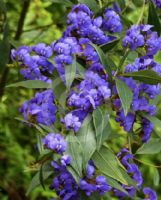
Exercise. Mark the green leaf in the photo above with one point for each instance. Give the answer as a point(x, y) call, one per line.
point(36, 180)
point(74, 173)
point(63, 2)
point(113, 183)
point(145, 76)
point(103, 60)
point(125, 95)
point(101, 125)
point(81, 69)
point(109, 165)
point(156, 177)
point(59, 89)
point(155, 121)
point(31, 84)
point(110, 45)
point(153, 146)
point(86, 137)
point(153, 18)
point(70, 72)
point(122, 4)
point(91, 4)
point(74, 149)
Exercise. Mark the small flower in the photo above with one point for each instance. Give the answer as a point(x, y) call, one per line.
point(149, 194)
point(56, 143)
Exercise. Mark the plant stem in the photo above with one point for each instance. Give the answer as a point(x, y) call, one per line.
point(142, 13)
point(155, 166)
point(126, 52)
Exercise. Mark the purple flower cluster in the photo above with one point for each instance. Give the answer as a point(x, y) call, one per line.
point(81, 22)
point(132, 169)
point(158, 3)
point(142, 36)
point(92, 92)
point(149, 194)
point(56, 143)
point(139, 103)
point(91, 184)
point(39, 109)
point(33, 61)
point(89, 92)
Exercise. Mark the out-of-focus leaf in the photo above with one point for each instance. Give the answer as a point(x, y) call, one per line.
point(121, 3)
point(153, 146)
point(101, 125)
point(103, 60)
point(109, 165)
point(91, 4)
point(14, 43)
point(110, 45)
point(31, 84)
point(145, 76)
point(70, 72)
point(153, 18)
point(125, 95)
point(74, 149)
point(63, 2)
point(126, 21)
point(86, 137)
point(36, 180)
point(156, 177)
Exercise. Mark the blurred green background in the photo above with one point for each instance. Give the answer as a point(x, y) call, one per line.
point(28, 22)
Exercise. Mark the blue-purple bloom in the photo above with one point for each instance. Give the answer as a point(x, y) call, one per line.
point(56, 142)
point(158, 3)
point(112, 21)
point(149, 194)
point(40, 109)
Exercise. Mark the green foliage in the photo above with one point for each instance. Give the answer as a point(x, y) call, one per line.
point(145, 76)
point(125, 95)
point(17, 141)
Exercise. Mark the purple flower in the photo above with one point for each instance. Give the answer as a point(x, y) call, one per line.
point(56, 143)
point(74, 119)
point(43, 50)
point(90, 170)
point(40, 109)
point(101, 185)
point(65, 160)
point(87, 187)
point(153, 44)
point(133, 38)
point(158, 3)
point(112, 21)
point(147, 128)
point(149, 194)
point(125, 121)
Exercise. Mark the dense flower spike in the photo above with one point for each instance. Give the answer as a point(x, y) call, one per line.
point(40, 109)
point(34, 67)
